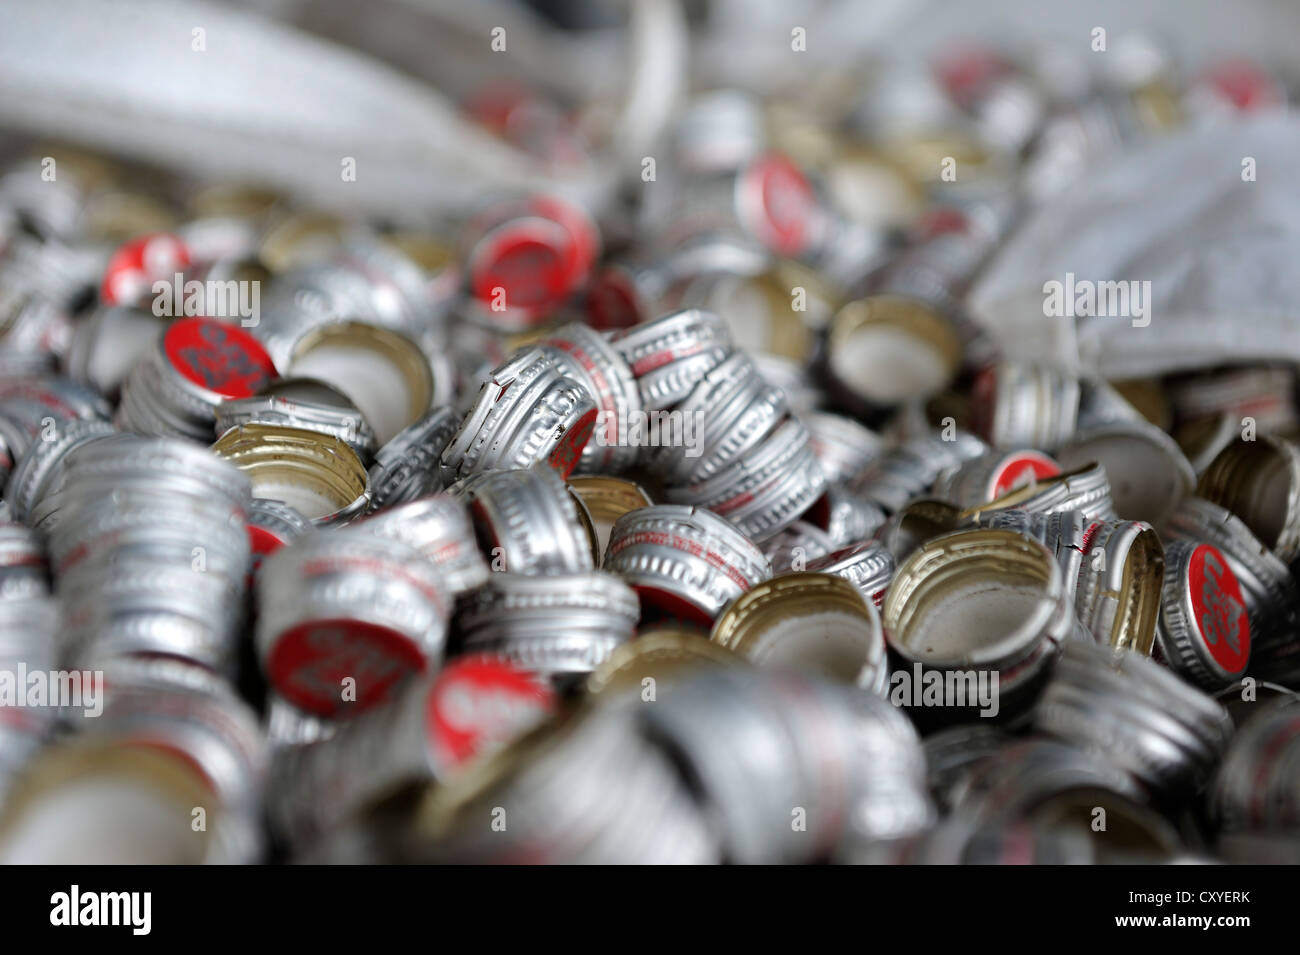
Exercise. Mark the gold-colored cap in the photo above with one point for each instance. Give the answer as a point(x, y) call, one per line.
point(116, 216)
point(89, 170)
point(904, 318)
point(233, 201)
point(321, 464)
point(79, 762)
point(299, 238)
point(660, 654)
point(432, 254)
point(1158, 105)
point(903, 198)
point(594, 542)
point(394, 347)
point(1139, 595)
point(921, 155)
point(609, 498)
point(784, 608)
point(1259, 481)
point(788, 333)
point(602, 501)
point(975, 598)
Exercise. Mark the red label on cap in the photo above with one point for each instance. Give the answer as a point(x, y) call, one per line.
point(567, 453)
point(495, 102)
point(263, 543)
point(531, 255)
point(1244, 85)
point(135, 266)
point(169, 748)
point(311, 661)
point(1022, 469)
point(1218, 609)
point(219, 357)
point(648, 363)
point(669, 539)
point(945, 220)
point(479, 703)
point(1089, 533)
point(787, 204)
point(672, 604)
point(35, 390)
point(984, 391)
point(524, 268)
point(965, 71)
point(611, 303)
point(581, 229)
point(604, 391)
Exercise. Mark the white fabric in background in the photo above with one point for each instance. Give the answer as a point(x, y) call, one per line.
point(1222, 256)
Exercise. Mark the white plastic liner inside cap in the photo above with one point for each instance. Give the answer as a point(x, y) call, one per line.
point(372, 382)
point(744, 308)
point(291, 490)
point(833, 645)
point(103, 820)
point(885, 364)
point(976, 621)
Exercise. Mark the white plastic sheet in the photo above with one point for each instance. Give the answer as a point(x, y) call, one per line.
point(1221, 254)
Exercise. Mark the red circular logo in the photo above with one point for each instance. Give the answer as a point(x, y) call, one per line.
point(787, 204)
point(941, 221)
point(479, 703)
point(137, 265)
point(1218, 609)
point(611, 303)
point(965, 71)
point(263, 544)
point(493, 103)
point(525, 268)
point(220, 357)
point(567, 453)
point(1023, 469)
point(583, 234)
point(310, 663)
point(1244, 85)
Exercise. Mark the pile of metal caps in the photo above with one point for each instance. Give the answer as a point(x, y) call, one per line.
point(705, 529)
